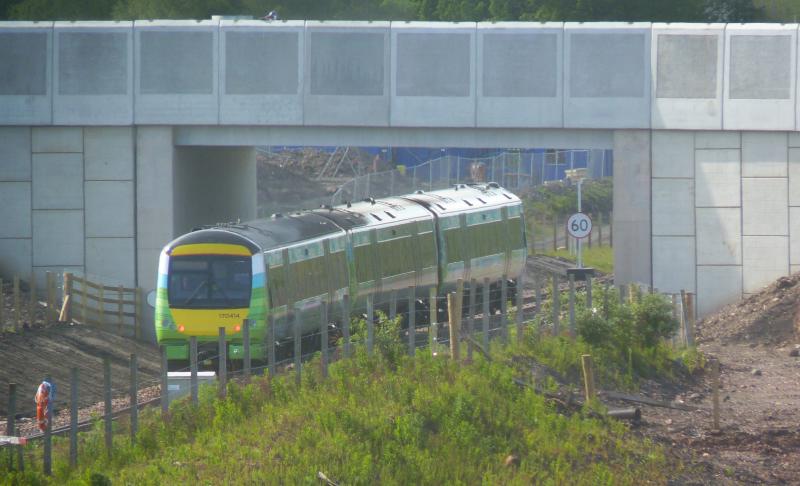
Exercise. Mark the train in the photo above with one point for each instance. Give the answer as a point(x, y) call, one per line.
point(268, 269)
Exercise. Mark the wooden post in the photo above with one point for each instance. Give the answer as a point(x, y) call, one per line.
point(504, 309)
point(454, 314)
point(674, 298)
point(107, 412)
point(572, 332)
point(633, 293)
point(392, 305)
point(271, 345)
point(83, 300)
point(371, 323)
point(73, 418)
point(473, 284)
point(412, 321)
point(246, 349)
point(134, 398)
point(66, 315)
point(690, 312)
point(16, 303)
point(101, 307)
point(323, 332)
point(433, 328)
point(164, 382)
point(346, 323)
point(520, 318)
point(223, 364)
point(715, 391)
point(10, 425)
point(588, 376)
point(120, 322)
point(51, 300)
point(486, 292)
point(556, 299)
point(32, 307)
point(138, 302)
point(589, 303)
point(193, 370)
point(298, 349)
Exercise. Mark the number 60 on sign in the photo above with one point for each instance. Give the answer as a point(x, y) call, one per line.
point(579, 225)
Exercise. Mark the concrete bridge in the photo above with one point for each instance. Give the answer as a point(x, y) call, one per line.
point(117, 136)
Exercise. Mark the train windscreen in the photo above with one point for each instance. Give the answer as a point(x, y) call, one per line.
point(205, 281)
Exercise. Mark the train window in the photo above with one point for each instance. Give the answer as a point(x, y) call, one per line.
point(361, 238)
point(305, 252)
point(275, 258)
point(449, 222)
point(425, 226)
point(205, 281)
point(514, 211)
point(337, 244)
point(385, 234)
point(483, 217)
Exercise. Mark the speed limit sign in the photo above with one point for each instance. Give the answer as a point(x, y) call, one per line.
point(579, 225)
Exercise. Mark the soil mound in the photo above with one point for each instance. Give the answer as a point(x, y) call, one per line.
point(768, 317)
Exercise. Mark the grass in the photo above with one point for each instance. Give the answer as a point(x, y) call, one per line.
point(601, 258)
point(386, 418)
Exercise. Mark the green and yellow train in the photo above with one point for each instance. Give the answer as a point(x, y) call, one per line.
point(220, 276)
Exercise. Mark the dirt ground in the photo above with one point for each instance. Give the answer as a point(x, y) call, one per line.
point(759, 437)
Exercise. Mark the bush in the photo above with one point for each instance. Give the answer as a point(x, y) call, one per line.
point(653, 320)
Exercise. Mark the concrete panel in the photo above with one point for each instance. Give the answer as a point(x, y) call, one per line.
point(15, 257)
point(262, 72)
point(794, 177)
point(520, 80)
point(57, 181)
point(15, 199)
point(765, 258)
point(717, 140)
point(687, 64)
point(109, 209)
point(154, 201)
point(718, 174)
point(632, 206)
point(673, 263)
point(795, 269)
point(794, 236)
point(57, 140)
point(764, 154)
point(433, 68)
point(93, 84)
point(58, 238)
point(764, 206)
point(15, 155)
point(673, 207)
point(607, 75)
point(346, 80)
point(112, 260)
point(176, 72)
point(673, 154)
point(26, 55)
point(794, 139)
point(760, 66)
point(719, 236)
point(717, 286)
point(108, 153)
point(40, 274)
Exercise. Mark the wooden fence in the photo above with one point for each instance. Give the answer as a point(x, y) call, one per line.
point(27, 309)
point(113, 308)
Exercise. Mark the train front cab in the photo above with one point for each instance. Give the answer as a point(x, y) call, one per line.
point(209, 279)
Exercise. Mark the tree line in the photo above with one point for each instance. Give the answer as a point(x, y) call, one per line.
point(432, 10)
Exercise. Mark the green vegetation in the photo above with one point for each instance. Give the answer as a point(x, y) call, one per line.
point(601, 258)
point(392, 419)
point(441, 10)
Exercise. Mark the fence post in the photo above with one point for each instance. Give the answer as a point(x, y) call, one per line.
point(271, 344)
point(101, 307)
point(73, 418)
point(520, 318)
point(83, 300)
point(538, 291)
point(66, 315)
point(486, 292)
point(138, 302)
point(572, 306)
point(371, 322)
point(412, 321)
point(600, 228)
point(193, 369)
point(346, 323)
point(323, 328)
point(473, 284)
point(715, 391)
point(298, 345)
point(107, 405)
point(454, 313)
point(246, 349)
point(392, 305)
point(134, 398)
point(433, 327)
point(588, 376)
point(504, 309)
point(555, 233)
point(556, 305)
point(690, 311)
point(222, 366)
point(51, 301)
point(589, 302)
point(120, 298)
point(16, 303)
point(32, 307)
point(12, 412)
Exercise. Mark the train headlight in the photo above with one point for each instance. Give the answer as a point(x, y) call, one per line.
point(181, 328)
point(237, 328)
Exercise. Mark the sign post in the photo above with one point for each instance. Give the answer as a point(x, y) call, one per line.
point(579, 226)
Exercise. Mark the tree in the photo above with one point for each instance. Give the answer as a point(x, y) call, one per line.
point(731, 11)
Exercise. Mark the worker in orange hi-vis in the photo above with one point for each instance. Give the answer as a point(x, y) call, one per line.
point(45, 395)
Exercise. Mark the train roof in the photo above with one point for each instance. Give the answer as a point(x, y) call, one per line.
point(464, 198)
point(375, 212)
